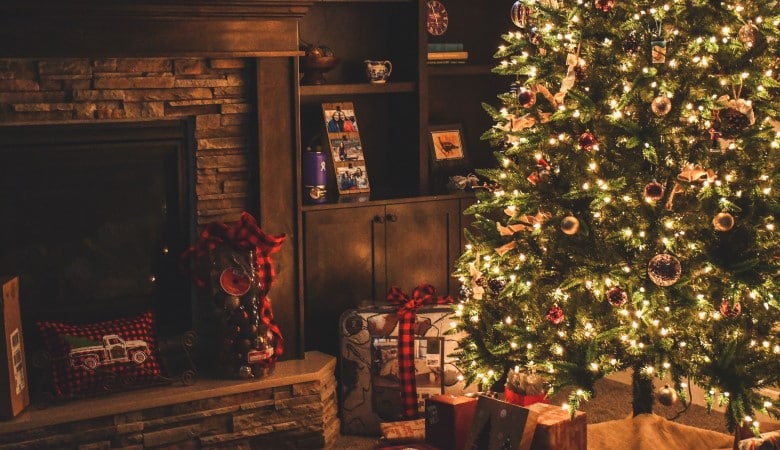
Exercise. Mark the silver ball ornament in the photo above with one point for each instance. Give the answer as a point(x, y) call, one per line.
point(667, 396)
point(664, 269)
point(570, 225)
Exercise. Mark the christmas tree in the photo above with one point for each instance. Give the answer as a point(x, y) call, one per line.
point(629, 223)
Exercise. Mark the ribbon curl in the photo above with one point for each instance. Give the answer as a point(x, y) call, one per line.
point(407, 315)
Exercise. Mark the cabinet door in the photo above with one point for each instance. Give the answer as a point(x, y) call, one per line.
point(339, 268)
point(423, 240)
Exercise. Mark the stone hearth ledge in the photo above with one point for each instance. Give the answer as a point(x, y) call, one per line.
point(315, 367)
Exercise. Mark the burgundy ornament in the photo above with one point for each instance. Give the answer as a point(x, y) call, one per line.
point(587, 141)
point(555, 315)
point(526, 98)
point(604, 5)
point(729, 310)
point(654, 191)
point(497, 285)
point(617, 297)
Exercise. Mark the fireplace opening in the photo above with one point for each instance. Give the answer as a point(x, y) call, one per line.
point(94, 219)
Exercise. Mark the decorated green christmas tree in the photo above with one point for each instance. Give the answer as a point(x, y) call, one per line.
point(630, 221)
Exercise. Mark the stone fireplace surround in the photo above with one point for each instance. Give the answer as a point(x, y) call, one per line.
point(226, 65)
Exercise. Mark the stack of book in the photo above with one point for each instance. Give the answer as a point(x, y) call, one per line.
point(446, 53)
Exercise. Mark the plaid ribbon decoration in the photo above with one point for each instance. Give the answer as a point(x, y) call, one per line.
point(407, 315)
point(243, 235)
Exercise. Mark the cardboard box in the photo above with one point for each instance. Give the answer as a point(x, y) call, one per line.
point(14, 392)
point(556, 430)
point(448, 420)
point(499, 425)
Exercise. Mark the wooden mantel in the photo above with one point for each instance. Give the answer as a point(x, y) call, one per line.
point(146, 28)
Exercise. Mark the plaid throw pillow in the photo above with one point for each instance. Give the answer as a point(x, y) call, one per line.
point(93, 358)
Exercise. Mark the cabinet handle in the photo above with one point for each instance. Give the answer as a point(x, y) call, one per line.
point(379, 219)
point(392, 218)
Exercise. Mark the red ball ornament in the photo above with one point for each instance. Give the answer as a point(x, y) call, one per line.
point(604, 5)
point(555, 315)
point(587, 141)
point(729, 310)
point(654, 191)
point(617, 297)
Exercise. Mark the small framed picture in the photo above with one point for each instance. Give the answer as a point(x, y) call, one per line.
point(448, 148)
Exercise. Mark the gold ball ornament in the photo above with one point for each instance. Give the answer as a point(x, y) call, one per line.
point(664, 269)
point(723, 221)
point(661, 105)
point(667, 396)
point(748, 34)
point(520, 14)
point(570, 225)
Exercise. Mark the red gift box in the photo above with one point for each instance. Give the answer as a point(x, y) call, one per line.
point(448, 420)
point(513, 397)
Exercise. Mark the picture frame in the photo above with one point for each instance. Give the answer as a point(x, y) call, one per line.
point(448, 146)
point(345, 148)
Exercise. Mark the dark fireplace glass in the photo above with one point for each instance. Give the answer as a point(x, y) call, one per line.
point(94, 218)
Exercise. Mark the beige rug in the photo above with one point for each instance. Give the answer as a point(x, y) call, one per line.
point(652, 432)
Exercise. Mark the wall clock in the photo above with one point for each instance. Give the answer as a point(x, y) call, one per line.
point(437, 19)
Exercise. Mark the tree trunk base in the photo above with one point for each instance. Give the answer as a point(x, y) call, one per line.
point(643, 392)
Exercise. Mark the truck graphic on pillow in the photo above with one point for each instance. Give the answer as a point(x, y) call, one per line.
point(113, 350)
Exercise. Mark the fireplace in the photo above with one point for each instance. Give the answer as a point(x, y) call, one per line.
point(95, 216)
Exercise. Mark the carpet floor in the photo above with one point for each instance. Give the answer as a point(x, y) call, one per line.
point(611, 402)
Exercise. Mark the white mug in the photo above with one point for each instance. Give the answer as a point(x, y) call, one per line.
point(378, 71)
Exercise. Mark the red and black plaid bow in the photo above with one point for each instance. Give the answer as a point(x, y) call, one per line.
point(407, 315)
point(244, 235)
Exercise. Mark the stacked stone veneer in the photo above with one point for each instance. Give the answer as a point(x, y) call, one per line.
point(296, 416)
point(218, 93)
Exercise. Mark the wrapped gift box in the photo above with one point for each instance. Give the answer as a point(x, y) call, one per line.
point(14, 392)
point(369, 388)
point(499, 425)
point(556, 430)
point(448, 420)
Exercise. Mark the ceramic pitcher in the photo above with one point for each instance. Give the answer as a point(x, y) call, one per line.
point(378, 71)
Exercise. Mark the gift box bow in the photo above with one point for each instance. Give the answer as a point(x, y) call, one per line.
point(407, 315)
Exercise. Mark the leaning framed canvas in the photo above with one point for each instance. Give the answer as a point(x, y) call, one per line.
point(345, 148)
point(448, 146)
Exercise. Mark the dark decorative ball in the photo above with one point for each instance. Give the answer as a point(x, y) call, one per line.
point(497, 285)
point(661, 105)
point(630, 44)
point(520, 14)
point(729, 310)
point(581, 72)
point(667, 396)
point(654, 191)
point(570, 225)
point(664, 269)
point(482, 282)
point(245, 372)
point(723, 221)
point(617, 297)
point(587, 141)
point(526, 98)
point(604, 5)
point(555, 315)
point(353, 325)
point(730, 122)
point(465, 292)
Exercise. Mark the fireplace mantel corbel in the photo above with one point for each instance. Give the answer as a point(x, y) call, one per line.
point(149, 28)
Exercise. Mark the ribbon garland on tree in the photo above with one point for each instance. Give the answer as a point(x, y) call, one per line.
point(246, 235)
point(407, 315)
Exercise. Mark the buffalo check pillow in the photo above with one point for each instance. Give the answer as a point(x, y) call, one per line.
point(97, 357)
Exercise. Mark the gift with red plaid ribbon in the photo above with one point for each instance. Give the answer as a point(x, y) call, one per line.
point(407, 315)
point(244, 235)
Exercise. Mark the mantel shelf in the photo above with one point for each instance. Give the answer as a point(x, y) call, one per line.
point(357, 88)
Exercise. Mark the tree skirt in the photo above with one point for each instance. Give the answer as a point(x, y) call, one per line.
point(652, 432)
